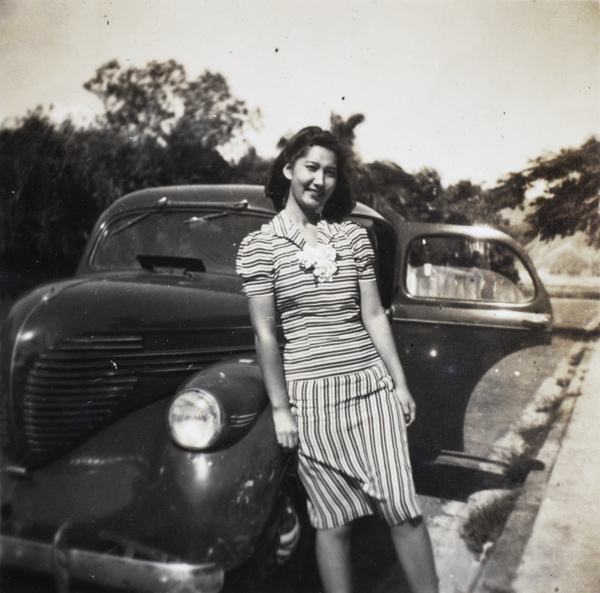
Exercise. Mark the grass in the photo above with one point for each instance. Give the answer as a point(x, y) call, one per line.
point(486, 522)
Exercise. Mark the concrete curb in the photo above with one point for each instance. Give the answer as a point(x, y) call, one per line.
point(499, 569)
point(459, 569)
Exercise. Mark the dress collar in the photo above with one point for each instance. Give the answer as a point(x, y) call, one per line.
point(283, 227)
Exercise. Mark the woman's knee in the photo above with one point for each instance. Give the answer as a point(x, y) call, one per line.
point(335, 533)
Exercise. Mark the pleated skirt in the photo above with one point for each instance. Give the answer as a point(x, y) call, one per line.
point(353, 454)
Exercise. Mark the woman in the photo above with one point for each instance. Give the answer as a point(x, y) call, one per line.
point(338, 394)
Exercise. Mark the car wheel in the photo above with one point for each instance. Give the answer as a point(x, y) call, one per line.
point(285, 562)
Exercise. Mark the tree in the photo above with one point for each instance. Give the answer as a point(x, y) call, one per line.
point(252, 169)
point(109, 164)
point(420, 196)
point(390, 190)
point(158, 129)
point(570, 202)
point(344, 131)
point(469, 203)
point(383, 185)
point(152, 100)
point(44, 214)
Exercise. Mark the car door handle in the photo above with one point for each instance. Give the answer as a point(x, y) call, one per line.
point(537, 322)
point(389, 313)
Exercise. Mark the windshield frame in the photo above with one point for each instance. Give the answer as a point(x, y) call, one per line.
point(194, 212)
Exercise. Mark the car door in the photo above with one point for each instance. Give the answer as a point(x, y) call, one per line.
point(465, 298)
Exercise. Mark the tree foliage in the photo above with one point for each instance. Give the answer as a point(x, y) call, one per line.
point(158, 97)
point(570, 202)
point(45, 212)
point(158, 128)
point(420, 196)
point(469, 203)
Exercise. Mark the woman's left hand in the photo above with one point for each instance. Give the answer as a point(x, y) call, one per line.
point(409, 408)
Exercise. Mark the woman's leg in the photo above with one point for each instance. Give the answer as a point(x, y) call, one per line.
point(333, 559)
point(414, 551)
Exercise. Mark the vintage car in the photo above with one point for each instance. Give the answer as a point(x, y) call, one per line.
point(137, 442)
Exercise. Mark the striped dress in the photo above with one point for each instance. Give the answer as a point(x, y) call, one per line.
point(353, 452)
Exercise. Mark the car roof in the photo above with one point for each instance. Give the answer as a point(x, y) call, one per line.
point(204, 194)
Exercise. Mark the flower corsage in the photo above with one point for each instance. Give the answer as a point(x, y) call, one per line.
point(321, 260)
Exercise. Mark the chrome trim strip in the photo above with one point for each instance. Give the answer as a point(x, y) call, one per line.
point(110, 570)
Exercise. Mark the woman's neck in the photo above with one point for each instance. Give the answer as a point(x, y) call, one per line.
point(306, 222)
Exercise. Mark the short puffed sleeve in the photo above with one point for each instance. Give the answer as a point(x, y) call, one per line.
point(364, 256)
point(254, 264)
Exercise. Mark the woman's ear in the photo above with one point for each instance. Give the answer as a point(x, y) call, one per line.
point(287, 171)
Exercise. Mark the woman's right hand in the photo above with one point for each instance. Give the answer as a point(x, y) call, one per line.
point(285, 428)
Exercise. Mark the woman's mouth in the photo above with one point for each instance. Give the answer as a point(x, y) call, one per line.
point(316, 193)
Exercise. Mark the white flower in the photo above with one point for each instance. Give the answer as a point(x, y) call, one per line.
point(320, 259)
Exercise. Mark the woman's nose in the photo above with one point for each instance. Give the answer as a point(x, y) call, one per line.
point(319, 178)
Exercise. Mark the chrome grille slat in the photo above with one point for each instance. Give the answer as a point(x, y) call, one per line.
point(73, 390)
point(67, 423)
point(41, 389)
point(54, 407)
point(76, 403)
point(84, 363)
point(150, 364)
point(57, 376)
point(145, 358)
point(99, 339)
point(46, 436)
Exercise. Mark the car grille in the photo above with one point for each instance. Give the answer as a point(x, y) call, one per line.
point(84, 383)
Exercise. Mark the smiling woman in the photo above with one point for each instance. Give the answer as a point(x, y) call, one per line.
point(338, 392)
point(313, 178)
point(321, 169)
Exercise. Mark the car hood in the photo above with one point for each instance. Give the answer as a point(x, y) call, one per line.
point(107, 344)
point(117, 302)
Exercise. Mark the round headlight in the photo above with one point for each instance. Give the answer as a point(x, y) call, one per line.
point(196, 419)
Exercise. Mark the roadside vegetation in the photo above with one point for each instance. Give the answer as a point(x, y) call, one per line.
point(486, 523)
point(517, 450)
point(161, 128)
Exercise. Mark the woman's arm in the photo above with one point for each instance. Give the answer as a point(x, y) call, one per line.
point(378, 326)
point(263, 317)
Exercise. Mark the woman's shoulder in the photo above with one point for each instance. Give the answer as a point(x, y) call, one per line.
point(255, 253)
point(264, 233)
point(352, 229)
point(350, 224)
point(342, 226)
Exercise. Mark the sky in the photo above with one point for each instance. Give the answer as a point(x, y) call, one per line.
point(473, 89)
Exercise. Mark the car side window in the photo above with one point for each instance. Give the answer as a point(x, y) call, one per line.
point(462, 268)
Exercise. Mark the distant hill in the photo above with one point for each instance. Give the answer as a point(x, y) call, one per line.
point(568, 266)
point(569, 256)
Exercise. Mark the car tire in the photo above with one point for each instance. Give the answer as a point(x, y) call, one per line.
point(282, 564)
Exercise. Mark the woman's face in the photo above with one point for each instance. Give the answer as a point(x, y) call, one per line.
point(313, 178)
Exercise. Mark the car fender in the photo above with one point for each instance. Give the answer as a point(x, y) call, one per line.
point(131, 482)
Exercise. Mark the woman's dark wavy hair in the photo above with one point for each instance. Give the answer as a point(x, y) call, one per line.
point(340, 203)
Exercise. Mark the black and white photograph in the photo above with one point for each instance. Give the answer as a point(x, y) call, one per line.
point(299, 296)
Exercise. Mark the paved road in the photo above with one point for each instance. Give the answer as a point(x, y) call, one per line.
point(495, 405)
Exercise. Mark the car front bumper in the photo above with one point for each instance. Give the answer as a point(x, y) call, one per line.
point(108, 570)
